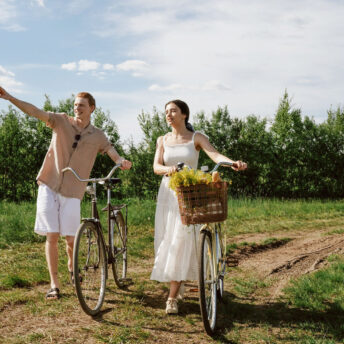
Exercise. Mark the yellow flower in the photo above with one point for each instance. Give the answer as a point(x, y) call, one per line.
point(187, 177)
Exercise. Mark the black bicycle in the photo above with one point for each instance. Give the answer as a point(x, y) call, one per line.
point(92, 255)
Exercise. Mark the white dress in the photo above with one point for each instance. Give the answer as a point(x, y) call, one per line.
point(174, 243)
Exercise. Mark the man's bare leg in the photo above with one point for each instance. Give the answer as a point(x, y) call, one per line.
point(51, 253)
point(69, 250)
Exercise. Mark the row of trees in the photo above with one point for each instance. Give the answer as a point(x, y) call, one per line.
point(291, 157)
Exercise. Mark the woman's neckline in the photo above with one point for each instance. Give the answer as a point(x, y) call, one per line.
point(178, 144)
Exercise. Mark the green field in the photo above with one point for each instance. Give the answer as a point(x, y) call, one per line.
point(311, 310)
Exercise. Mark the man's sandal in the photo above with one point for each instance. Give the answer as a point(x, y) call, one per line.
point(53, 294)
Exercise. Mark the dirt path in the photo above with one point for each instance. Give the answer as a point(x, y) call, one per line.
point(304, 253)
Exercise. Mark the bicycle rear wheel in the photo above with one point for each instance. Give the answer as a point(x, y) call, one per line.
point(89, 266)
point(118, 243)
point(207, 282)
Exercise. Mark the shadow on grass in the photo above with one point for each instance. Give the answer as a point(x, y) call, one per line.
point(279, 315)
point(234, 310)
point(99, 317)
point(276, 315)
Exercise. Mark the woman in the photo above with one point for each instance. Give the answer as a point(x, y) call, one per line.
point(174, 244)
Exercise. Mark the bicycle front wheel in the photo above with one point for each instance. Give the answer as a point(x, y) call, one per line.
point(207, 282)
point(221, 263)
point(89, 266)
point(118, 243)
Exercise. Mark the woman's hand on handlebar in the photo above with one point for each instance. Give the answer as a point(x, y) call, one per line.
point(171, 170)
point(239, 165)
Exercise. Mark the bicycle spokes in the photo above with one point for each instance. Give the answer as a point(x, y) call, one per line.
point(89, 261)
point(207, 282)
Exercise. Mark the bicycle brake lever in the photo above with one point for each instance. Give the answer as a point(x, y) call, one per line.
point(180, 166)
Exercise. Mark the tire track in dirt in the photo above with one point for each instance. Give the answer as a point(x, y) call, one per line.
point(305, 253)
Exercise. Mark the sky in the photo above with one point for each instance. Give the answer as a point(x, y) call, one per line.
point(135, 55)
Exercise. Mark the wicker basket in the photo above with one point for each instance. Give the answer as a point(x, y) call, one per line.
point(203, 203)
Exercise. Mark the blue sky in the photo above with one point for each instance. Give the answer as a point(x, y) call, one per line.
point(133, 55)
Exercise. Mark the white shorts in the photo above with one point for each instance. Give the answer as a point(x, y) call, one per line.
point(56, 213)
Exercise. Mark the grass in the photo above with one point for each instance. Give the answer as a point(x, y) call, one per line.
point(244, 216)
point(311, 311)
point(321, 291)
point(265, 216)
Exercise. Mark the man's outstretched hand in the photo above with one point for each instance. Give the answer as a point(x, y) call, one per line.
point(4, 94)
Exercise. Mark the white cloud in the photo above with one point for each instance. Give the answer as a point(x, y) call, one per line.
point(69, 66)
point(81, 66)
point(156, 87)
point(108, 66)
point(137, 67)
point(86, 65)
point(8, 81)
point(5, 72)
point(9, 16)
point(39, 3)
point(253, 49)
point(215, 85)
point(212, 85)
point(77, 6)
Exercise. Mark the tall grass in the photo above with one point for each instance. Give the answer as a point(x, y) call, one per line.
point(17, 220)
point(244, 216)
point(269, 215)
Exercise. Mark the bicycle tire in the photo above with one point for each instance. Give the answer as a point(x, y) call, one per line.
point(221, 265)
point(119, 249)
point(207, 283)
point(89, 266)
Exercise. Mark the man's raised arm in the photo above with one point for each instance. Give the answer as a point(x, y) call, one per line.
point(28, 108)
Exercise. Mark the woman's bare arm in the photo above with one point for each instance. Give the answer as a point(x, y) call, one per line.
point(202, 141)
point(158, 165)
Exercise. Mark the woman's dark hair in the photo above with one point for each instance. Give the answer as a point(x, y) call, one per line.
point(184, 110)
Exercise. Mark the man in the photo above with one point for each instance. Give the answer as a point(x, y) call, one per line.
point(75, 143)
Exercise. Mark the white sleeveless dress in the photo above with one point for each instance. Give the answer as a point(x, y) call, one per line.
point(174, 243)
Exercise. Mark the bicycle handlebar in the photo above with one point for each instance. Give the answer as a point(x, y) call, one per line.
point(93, 180)
point(180, 165)
point(221, 163)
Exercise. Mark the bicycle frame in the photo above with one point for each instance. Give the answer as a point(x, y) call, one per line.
point(92, 256)
point(111, 210)
point(217, 244)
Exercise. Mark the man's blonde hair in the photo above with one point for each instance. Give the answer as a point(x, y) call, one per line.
point(89, 97)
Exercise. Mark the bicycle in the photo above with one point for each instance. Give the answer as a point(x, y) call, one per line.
point(91, 255)
point(211, 250)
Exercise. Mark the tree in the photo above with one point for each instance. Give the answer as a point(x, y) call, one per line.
point(14, 168)
point(141, 178)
